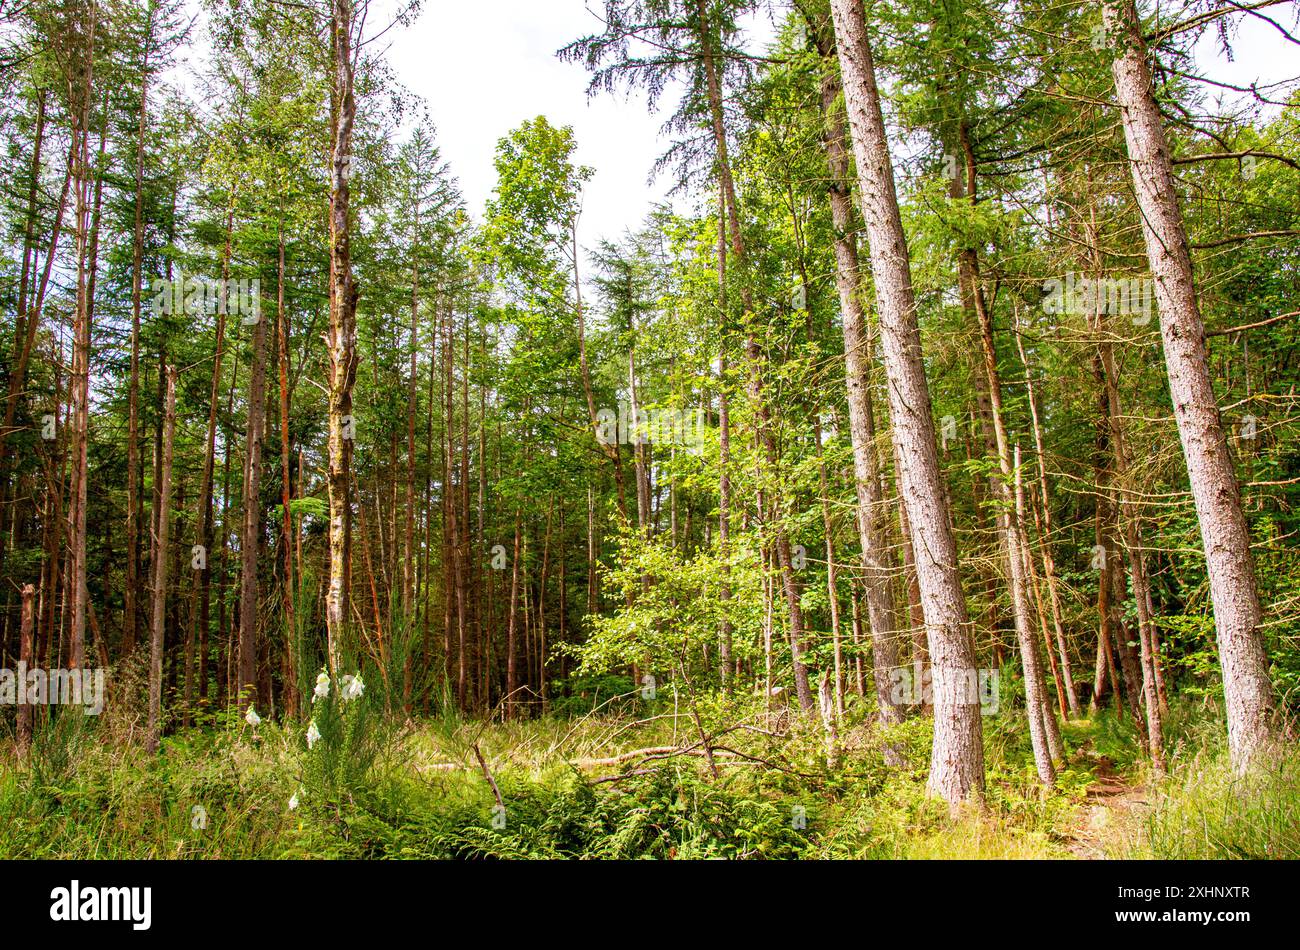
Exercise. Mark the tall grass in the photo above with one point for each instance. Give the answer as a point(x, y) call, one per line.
point(377, 784)
point(1205, 810)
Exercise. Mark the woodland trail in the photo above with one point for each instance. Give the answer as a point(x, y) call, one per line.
point(1112, 803)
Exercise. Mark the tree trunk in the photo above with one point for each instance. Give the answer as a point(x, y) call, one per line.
point(26, 657)
point(286, 488)
point(158, 620)
point(342, 337)
point(130, 610)
point(1128, 517)
point(725, 665)
point(756, 362)
point(1248, 692)
point(882, 618)
point(1008, 513)
point(957, 757)
point(80, 389)
point(251, 534)
point(512, 626)
point(201, 593)
point(1045, 535)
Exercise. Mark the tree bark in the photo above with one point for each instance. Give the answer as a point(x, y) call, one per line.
point(882, 618)
point(80, 389)
point(130, 610)
point(251, 534)
point(957, 756)
point(158, 620)
point(756, 362)
point(1248, 692)
point(1009, 513)
point(341, 339)
point(286, 487)
point(26, 656)
point(1045, 535)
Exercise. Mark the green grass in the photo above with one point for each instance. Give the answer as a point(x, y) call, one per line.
point(1204, 810)
point(373, 787)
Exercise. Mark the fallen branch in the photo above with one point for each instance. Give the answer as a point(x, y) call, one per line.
point(652, 753)
point(487, 774)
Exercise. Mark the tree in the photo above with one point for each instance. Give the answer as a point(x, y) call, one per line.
point(341, 340)
point(1248, 692)
point(957, 759)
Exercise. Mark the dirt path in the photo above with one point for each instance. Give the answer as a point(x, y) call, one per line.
point(1111, 803)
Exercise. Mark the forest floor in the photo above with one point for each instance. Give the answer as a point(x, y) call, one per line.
point(1112, 806)
point(628, 784)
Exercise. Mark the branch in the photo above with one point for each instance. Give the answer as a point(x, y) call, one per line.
point(1252, 326)
point(487, 774)
point(1200, 20)
point(1238, 238)
point(1213, 156)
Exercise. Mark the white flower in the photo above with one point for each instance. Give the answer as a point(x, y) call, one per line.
point(353, 687)
point(322, 686)
point(251, 717)
point(313, 734)
point(293, 802)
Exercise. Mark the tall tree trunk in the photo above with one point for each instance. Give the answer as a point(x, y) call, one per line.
point(130, 610)
point(1128, 517)
point(286, 486)
point(251, 534)
point(957, 756)
point(26, 657)
point(725, 664)
point(408, 568)
point(159, 559)
point(227, 690)
point(1051, 728)
point(468, 561)
point(1110, 583)
point(1045, 535)
point(882, 618)
point(201, 560)
point(342, 336)
point(512, 627)
point(79, 89)
point(24, 316)
point(1041, 717)
point(1248, 692)
point(756, 363)
point(92, 272)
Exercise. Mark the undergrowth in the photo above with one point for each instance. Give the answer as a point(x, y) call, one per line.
point(371, 786)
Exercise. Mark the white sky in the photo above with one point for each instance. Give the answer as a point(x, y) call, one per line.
point(484, 66)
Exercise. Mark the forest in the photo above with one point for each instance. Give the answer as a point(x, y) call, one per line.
point(919, 478)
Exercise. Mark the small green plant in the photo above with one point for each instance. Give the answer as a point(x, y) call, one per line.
point(57, 747)
point(346, 740)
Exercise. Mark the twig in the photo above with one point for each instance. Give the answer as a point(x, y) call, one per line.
point(487, 774)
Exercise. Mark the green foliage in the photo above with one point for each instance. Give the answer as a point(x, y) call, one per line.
point(349, 739)
point(607, 692)
point(1205, 810)
point(676, 607)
